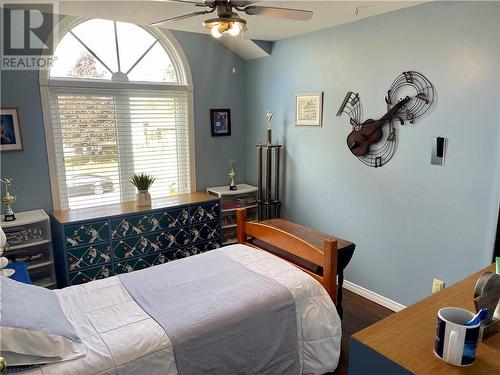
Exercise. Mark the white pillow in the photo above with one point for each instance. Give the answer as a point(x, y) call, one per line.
point(33, 327)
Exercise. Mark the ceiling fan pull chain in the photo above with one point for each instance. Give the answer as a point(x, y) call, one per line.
point(234, 68)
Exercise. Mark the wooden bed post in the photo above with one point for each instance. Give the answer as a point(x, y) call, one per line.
point(241, 217)
point(330, 268)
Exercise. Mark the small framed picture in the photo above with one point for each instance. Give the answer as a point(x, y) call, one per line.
point(10, 130)
point(220, 121)
point(309, 109)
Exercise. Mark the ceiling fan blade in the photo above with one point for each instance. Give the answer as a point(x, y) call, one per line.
point(181, 17)
point(243, 3)
point(200, 2)
point(293, 14)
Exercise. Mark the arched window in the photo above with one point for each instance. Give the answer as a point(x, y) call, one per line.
point(117, 101)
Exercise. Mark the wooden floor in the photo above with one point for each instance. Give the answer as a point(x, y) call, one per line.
point(359, 313)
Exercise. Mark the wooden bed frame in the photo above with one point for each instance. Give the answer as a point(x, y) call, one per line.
point(293, 246)
point(288, 244)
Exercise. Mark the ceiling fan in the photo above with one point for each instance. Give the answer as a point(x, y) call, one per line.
point(228, 20)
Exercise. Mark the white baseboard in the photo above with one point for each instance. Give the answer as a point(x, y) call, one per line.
point(374, 297)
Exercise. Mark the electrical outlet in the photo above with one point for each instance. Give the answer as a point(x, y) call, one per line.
point(437, 285)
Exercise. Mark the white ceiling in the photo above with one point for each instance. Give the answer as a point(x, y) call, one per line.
point(327, 13)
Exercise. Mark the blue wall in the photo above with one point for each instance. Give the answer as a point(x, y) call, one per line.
point(215, 87)
point(29, 168)
point(411, 221)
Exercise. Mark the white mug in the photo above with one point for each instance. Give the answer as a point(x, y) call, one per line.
point(456, 343)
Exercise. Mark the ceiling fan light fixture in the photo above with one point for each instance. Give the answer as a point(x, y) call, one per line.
point(215, 32)
point(235, 29)
point(218, 26)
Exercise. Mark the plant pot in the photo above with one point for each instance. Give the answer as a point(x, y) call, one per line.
point(143, 198)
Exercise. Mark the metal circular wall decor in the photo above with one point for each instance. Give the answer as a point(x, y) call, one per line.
point(374, 142)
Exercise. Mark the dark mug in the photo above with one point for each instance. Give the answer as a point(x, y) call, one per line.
point(455, 342)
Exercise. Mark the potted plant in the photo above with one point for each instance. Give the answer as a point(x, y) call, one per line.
point(142, 182)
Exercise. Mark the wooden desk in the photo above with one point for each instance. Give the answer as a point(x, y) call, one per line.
point(403, 343)
point(316, 238)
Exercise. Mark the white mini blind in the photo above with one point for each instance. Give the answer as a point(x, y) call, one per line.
point(103, 136)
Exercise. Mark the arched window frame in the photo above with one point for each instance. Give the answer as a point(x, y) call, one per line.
point(181, 66)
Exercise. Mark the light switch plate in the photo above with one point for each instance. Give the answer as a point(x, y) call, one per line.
point(437, 285)
point(438, 150)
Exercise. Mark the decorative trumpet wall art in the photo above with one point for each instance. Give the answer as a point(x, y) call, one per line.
point(374, 142)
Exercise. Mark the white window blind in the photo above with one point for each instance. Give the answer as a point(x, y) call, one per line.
point(103, 136)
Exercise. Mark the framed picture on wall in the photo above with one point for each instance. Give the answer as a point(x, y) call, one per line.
point(220, 122)
point(10, 130)
point(309, 109)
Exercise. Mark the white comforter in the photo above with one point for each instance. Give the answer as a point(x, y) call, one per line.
point(120, 338)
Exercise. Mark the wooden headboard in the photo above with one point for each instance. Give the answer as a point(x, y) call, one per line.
point(294, 246)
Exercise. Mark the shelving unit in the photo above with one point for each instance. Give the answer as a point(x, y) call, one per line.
point(29, 239)
point(245, 196)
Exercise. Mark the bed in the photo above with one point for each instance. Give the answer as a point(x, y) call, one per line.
point(121, 336)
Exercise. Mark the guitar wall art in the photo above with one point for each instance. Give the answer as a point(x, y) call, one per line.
point(374, 142)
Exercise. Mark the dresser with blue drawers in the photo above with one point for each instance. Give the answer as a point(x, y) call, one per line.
point(96, 243)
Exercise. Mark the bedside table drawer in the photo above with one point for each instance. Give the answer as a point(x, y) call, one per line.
point(205, 231)
point(204, 212)
point(88, 256)
point(87, 233)
point(90, 274)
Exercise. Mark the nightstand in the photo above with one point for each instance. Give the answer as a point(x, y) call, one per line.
point(245, 196)
point(30, 241)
